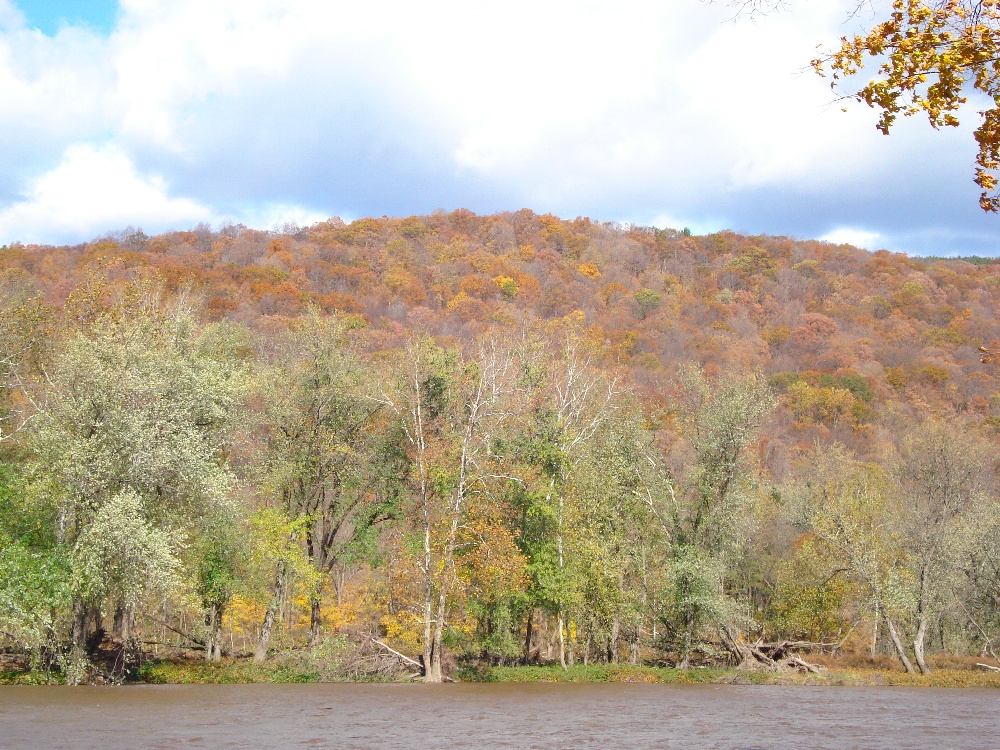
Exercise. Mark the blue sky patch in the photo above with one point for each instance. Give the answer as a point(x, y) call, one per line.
point(48, 16)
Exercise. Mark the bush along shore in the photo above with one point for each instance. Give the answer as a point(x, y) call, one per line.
point(338, 660)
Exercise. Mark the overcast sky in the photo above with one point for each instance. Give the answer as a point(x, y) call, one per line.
point(162, 114)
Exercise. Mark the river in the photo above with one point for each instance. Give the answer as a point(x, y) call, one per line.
point(520, 716)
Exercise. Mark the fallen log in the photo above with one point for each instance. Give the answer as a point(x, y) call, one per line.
point(398, 655)
point(198, 641)
point(988, 666)
point(762, 657)
point(803, 664)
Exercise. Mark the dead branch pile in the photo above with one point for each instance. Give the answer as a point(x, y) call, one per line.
point(776, 657)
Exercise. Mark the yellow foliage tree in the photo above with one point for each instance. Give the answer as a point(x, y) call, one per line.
point(932, 54)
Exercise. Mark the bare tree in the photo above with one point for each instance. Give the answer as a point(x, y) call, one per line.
point(941, 473)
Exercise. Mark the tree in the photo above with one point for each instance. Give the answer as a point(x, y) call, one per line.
point(221, 550)
point(129, 444)
point(577, 402)
point(932, 56)
point(23, 322)
point(34, 572)
point(941, 472)
point(708, 514)
point(614, 548)
point(327, 462)
point(451, 410)
point(850, 506)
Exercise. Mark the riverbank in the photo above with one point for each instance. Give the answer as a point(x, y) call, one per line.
point(852, 677)
point(245, 671)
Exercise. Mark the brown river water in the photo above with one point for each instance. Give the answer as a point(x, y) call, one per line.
point(504, 716)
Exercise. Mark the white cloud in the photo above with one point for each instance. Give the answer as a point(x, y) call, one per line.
point(92, 190)
point(618, 110)
point(10, 16)
point(853, 236)
point(276, 216)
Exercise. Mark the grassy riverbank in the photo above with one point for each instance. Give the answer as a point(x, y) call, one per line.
point(709, 676)
point(244, 671)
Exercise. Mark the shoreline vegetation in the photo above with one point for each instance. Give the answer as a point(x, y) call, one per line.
point(428, 447)
point(832, 673)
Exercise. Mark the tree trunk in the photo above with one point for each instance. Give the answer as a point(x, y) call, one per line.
point(897, 644)
point(922, 606)
point(562, 640)
point(210, 626)
point(87, 626)
point(213, 643)
point(315, 619)
point(685, 661)
point(124, 622)
point(527, 637)
point(918, 645)
point(432, 666)
point(428, 655)
point(217, 636)
point(260, 654)
point(613, 641)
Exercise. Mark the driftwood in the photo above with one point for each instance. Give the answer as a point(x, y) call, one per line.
point(775, 656)
point(988, 666)
point(804, 665)
point(782, 649)
point(406, 659)
point(398, 655)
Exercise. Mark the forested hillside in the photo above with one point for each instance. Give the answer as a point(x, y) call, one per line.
point(502, 439)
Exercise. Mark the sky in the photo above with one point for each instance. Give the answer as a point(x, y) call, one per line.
point(165, 114)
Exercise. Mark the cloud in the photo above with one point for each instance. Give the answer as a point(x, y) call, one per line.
point(627, 111)
point(93, 190)
point(852, 236)
point(10, 16)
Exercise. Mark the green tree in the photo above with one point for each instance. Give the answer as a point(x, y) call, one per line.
point(577, 401)
point(708, 509)
point(129, 445)
point(221, 551)
point(329, 460)
point(852, 508)
point(34, 573)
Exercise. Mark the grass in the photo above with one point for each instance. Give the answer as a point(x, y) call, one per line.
point(594, 673)
point(663, 675)
point(227, 672)
point(186, 671)
point(31, 677)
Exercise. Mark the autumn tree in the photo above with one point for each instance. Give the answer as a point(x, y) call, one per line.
point(328, 462)
point(942, 473)
point(932, 55)
point(23, 321)
point(451, 410)
point(851, 507)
